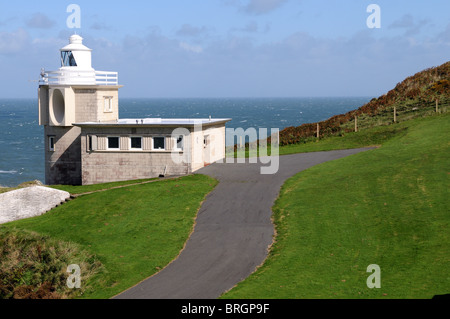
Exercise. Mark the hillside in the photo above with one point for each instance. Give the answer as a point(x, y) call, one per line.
point(387, 206)
point(416, 96)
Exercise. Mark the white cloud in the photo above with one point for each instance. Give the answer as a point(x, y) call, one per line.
point(256, 7)
point(188, 30)
point(263, 6)
point(191, 48)
point(13, 42)
point(40, 21)
point(409, 24)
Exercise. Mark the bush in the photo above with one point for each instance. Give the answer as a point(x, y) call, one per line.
point(33, 266)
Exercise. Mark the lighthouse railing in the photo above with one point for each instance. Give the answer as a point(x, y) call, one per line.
point(79, 77)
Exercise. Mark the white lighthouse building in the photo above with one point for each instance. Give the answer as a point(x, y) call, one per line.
point(87, 143)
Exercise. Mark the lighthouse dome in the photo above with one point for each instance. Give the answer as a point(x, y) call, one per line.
point(75, 54)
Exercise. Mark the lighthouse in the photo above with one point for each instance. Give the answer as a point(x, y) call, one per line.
point(75, 92)
point(87, 143)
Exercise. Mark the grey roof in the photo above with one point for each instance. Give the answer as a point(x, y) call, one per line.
point(155, 122)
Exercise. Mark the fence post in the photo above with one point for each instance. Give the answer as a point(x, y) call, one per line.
point(318, 130)
point(356, 123)
point(395, 114)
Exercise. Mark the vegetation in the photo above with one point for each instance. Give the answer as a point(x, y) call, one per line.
point(415, 97)
point(133, 232)
point(375, 136)
point(23, 185)
point(33, 266)
point(387, 206)
point(77, 190)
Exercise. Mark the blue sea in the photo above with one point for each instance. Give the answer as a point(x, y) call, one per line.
point(22, 139)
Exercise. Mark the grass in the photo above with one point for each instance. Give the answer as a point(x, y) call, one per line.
point(374, 136)
point(33, 266)
point(387, 206)
point(23, 185)
point(133, 232)
point(75, 190)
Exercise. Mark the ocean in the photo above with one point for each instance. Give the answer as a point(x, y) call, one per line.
point(22, 139)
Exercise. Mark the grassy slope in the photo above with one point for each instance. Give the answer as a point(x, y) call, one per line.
point(134, 231)
point(387, 206)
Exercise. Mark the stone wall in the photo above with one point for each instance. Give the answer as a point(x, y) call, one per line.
point(63, 165)
point(89, 104)
point(102, 165)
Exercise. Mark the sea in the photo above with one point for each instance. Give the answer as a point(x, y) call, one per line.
point(22, 139)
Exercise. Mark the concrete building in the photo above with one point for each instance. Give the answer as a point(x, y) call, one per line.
point(86, 142)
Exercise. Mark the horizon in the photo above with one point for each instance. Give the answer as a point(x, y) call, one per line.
point(256, 49)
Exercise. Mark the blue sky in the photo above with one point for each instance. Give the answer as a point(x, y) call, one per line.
point(229, 48)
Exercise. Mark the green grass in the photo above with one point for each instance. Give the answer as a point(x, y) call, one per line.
point(387, 206)
point(374, 136)
point(33, 266)
point(74, 190)
point(23, 185)
point(133, 231)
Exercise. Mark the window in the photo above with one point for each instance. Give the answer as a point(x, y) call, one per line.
point(136, 143)
point(113, 143)
point(67, 59)
point(159, 143)
point(179, 143)
point(51, 143)
point(90, 148)
point(108, 104)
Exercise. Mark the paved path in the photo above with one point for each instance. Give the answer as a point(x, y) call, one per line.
point(232, 233)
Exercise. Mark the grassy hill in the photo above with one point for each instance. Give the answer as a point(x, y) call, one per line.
point(414, 97)
point(119, 237)
point(388, 206)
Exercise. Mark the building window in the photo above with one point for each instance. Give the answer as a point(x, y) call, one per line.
point(90, 148)
point(179, 143)
point(51, 143)
point(113, 143)
point(108, 104)
point(159, 143)
point(136, 143)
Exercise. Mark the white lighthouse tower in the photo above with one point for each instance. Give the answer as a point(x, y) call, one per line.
point(76, 92)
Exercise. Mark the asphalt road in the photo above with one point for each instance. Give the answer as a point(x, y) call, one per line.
point(233, 230)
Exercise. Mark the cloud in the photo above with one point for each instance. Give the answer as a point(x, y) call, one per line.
point(191, 48)
point(188, 30)
point(100, 26)
point(256, 7)
point(40, 21)
point(263, 6)
point(409, 25)
point(13, 42)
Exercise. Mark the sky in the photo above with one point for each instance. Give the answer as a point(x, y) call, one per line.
point(229, 48)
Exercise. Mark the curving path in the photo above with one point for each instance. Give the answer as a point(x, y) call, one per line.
point(232, 233)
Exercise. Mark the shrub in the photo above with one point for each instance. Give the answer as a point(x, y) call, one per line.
point(33, 266)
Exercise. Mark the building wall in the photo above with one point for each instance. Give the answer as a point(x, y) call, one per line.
point(101, 165)
point(213, 151)
point(89, 104)
point(63, 165)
